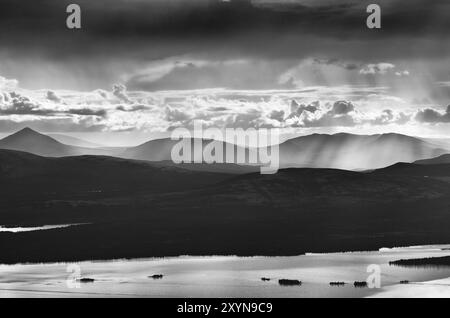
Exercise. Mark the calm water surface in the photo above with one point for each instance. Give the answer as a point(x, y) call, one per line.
point(221, 276)
point(37, 228)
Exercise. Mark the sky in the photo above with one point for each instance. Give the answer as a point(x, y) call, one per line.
point(140, 68)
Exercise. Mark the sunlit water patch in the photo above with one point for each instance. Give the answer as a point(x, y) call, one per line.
point(223, 276)
point(37, 228)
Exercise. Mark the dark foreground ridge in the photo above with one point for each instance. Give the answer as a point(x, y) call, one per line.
point(134, 209)
point(423, 262)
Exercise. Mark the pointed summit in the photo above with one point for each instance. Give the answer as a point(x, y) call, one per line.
point(26, 131)
point(29, 140)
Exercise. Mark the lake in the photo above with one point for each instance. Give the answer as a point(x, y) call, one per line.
point(224, 276)
point(37, 228)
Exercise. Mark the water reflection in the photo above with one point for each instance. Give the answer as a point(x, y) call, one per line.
point(224, 276)
point(37, 228)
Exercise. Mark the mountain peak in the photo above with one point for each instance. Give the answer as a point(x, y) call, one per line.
point(28, 134)
point(29, 140)
point(27, 130)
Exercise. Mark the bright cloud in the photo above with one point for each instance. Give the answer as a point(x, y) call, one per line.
point(379, 68)
point(119, 110)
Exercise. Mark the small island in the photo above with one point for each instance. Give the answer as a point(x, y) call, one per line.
point(337, 284)
point(360, 284)
point(86, 280)
point(404, 282)
point(289, 282)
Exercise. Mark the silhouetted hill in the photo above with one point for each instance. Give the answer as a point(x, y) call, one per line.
point(215, 167)
point(289, 187)
point(433, 161)
point(419, 170)
point(423, 262)
point(339, 151)
point(148, 209)
point(24, 172)
point(31, 141)
point(160, 150)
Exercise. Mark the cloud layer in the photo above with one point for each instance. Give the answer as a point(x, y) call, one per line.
point(123, 110)
point(302, 65)
point(193, 44)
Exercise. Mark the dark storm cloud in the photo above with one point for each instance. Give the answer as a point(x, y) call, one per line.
point(124, 25)
point(87, 112)
point(298, 109)
point(120, 91)
point(277, 115)
point(133, 108)
point(342, 108)
point(120, 38)
point(51, 95)
point(433, 116)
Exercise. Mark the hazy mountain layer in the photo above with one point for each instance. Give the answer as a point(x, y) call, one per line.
point(28, 140)
point(340, 151)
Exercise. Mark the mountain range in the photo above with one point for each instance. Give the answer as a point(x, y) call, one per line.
point(133, 208)
point(339, 151)
point(355, 152)
point(28, 140)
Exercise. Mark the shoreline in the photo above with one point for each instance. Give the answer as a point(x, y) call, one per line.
point(237, 276)
point(440, 247)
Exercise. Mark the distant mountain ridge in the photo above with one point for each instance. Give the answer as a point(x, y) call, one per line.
point(31, 141)
point(73, 141)
point(354, 152)
point(338, 151)
point(444, 159)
